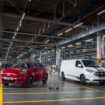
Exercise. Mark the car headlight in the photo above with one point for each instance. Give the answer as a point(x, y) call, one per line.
point(23, 71)
point(90, 71)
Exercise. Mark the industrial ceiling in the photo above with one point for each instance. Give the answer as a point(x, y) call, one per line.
point(37, 24)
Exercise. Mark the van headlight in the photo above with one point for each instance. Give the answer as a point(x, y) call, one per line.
point(90, 71)
point(23, 71)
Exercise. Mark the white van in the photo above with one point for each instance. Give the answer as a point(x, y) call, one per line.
point(82, 70)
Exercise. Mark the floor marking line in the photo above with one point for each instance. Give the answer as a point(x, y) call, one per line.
point(56, 100)
point(96, 90)
point(39, 88)
point(66, 92)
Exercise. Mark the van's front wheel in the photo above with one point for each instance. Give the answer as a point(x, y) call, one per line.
point(83, 80)
point(63, 76)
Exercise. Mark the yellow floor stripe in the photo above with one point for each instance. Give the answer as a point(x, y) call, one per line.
point(0, 93)
point(67, 92)
point(37, 88)
point(56, 100)
point(96, 90)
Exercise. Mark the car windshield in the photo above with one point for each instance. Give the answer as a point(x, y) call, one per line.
point(89, 63)
point(21, 65)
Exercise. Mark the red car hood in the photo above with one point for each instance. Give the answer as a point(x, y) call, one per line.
point(12, 70)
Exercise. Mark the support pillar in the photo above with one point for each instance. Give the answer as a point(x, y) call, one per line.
point(58, 58)
point(99, 49)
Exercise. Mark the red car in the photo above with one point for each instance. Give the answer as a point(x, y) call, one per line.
point(24, 74)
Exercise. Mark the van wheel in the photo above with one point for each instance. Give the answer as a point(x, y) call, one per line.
point(45, 79)
point(63, 76)
point(102, 82)
point(83, 80)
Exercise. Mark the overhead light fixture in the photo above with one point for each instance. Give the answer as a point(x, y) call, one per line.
point(70, 45)
point(23, 16)
point(68, 30)
point(17, 29)
point(62, 47)
point(20, 23)
point(101, 12)
point(60, 34)
point(78, 25)
point(15, 34)
point(47, 41)
point(88, 40)
point(78, 43)
point(29, 0)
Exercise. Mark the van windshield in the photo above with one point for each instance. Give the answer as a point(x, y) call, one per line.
point(89, 63)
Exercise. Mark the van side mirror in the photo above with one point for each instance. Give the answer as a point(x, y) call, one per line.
point(80, 66)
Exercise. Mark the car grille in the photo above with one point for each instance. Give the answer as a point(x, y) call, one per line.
point(6, 80)
point(100, 74)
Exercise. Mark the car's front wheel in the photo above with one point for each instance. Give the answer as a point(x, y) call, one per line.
point(5, 84)
point(45, 79)
point(30, 81)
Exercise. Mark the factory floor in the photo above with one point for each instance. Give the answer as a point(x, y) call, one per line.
point(69, 93)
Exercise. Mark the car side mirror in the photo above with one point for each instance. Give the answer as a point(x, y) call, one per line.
point(80, 66)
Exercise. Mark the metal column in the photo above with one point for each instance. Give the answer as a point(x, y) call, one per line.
point(99, 49)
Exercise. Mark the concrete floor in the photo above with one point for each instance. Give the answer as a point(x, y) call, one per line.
point(69, 93)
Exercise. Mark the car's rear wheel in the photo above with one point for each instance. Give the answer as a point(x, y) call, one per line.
point(45, 79)
point(83, 80)
point(63, 76)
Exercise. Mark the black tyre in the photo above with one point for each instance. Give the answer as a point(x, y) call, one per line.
point(45, 79)
point(29, 82)
point(63, 76)
point(5, 84)
point(102, 82)
point(83, 80)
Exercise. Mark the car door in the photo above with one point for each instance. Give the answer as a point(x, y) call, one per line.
point(36, 72)
point(78, 69)
point(41, 71)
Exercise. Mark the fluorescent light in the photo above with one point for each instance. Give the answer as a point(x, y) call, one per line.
point(101, 12)
point(13, 37)
point(23, 16)
point(68, 30)
point(20, 23)
point(70, 45)
point(17, 29)
point(47, 41)
point(62, 47)
point(78, 43)
point(15, 34)
point(60, 34)
point(88, 40)
point(78, 25)
point(29, 0)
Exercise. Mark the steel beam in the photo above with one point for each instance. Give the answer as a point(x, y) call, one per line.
point(28, 42)
point(37, 19)
point(30, 34)
point(83, 34)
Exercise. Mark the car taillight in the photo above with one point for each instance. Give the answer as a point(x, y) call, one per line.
point(23, 71)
